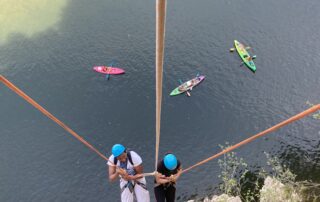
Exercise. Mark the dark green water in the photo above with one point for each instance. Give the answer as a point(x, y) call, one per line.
point(42, 162)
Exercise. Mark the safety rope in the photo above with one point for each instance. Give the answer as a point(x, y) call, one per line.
point(49, 115)
point(160, 36)
point(301, 115)
point(265, 132)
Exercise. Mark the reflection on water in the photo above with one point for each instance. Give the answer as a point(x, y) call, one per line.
point(28, 17)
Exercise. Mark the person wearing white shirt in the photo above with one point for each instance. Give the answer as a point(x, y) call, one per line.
point(128, 166)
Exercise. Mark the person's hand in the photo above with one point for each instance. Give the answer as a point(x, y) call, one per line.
point(138, 176)
point(126, 177)
point(121, 172)
point(161, 179)
point(159, 175)
point(172, 178)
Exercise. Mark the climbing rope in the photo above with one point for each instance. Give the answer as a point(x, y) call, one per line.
point(49, 115)
point(301, 115)
point(263, 133)
point(160, 36)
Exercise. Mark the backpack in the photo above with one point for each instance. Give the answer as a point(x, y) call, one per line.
point(115, 160)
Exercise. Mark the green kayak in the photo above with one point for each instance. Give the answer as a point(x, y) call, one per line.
point(187, 86)
point(246, 58)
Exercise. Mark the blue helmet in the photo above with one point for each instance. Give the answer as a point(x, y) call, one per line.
point(170, 161)
point(118, 149)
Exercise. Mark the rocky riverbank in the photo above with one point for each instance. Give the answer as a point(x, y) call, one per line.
point(272, 190)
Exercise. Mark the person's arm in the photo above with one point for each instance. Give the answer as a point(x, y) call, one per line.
point(175, 177)
point(139, 172)
point(138, 175)
point(138, 168)
point(161, 179)
point(113, 174)
point(159, 176)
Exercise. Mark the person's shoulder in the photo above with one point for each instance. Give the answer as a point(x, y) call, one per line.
point(161, 162)
point(134, 154)
point(160, 166)
point(137, 160)
point(178, 164)
point(111, 160)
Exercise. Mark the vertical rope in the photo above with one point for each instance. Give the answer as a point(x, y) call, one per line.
point(246, 141)
point(160, 36)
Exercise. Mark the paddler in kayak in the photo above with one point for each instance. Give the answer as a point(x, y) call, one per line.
point(194, 82)
point(183, 87)
point(128, 166)
point(106, 69)
point(168, 171)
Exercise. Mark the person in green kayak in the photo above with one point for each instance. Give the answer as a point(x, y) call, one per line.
point(128, 166)
point(168, 171)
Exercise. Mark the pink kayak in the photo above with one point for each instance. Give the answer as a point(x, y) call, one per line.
point(108, 70)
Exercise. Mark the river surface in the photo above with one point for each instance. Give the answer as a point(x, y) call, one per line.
point(48, 48)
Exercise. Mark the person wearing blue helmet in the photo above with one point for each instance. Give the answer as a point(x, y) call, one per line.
point(168, 171)
point(127, 165)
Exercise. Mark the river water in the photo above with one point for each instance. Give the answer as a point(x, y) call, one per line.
point(48, 48)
